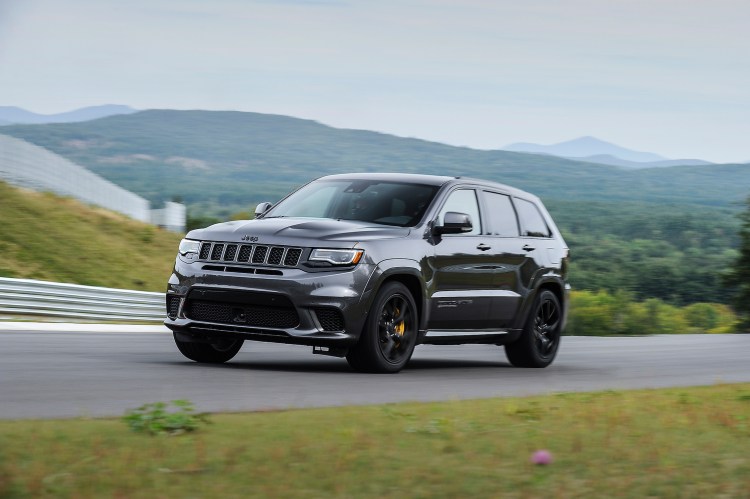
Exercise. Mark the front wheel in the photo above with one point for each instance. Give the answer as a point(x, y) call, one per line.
point(211, 353)
point(540, 339)
point(390, 332)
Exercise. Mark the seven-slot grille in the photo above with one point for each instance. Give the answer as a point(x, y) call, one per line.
point(279, 256)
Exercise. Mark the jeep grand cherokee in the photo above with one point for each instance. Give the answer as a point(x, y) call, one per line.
point(366, 266)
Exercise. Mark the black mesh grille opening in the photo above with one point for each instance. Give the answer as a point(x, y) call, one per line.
point(245, 251)
point(249, 315)
point(230, 252)
point(292, 257)
point(173, 305)
point(216, 252)
point(248, 253)
point(274, 258)
point(205, 251)
point(330, 319)
point(260, 254)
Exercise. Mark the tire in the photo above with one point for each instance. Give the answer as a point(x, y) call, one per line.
point(210, 353)
point(540, 339)
point(390, 332)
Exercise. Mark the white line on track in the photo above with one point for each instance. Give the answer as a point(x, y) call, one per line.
point(81, 328)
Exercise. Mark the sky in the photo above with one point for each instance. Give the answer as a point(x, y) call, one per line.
point(666, 76)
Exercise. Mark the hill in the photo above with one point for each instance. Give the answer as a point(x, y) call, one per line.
point(584, 147)
point(53, 238)
point(656, 232)
point(12, 114)
point(608, 159)
point(222, 162)
point(593, 150)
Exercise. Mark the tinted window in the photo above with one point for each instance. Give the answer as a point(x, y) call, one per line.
point(532, 222)
point(500, 215)
point(463, 201)
point(372, 201)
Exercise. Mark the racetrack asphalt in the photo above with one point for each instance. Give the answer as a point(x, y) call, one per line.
point(94, 370)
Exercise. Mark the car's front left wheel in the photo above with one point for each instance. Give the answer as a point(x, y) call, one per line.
point(390, 333)
point(211, 353)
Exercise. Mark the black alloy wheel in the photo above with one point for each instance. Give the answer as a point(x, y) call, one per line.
point(547, 326)
point(390, 333)
point(211, 353)
point(392, 327)
point(540, 339)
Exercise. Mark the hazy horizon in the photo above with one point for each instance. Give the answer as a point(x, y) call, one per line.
point(657, 76)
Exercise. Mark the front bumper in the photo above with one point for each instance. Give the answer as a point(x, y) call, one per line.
point(304, 301)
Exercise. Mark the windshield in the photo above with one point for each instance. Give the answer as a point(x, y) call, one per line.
point(373, 201)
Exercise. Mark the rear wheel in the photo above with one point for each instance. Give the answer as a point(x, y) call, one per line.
point(390, 333)
point(540, 339)
point(212, 353)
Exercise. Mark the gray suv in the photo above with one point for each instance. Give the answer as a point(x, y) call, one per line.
point(366, 266)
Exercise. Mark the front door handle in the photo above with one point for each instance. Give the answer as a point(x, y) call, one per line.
point(528, 247)
point(483, 247)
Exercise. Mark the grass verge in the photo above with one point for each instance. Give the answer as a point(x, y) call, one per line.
point(54, 238)
point(686, 442)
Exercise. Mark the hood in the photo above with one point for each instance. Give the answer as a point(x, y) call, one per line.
point(296, 231)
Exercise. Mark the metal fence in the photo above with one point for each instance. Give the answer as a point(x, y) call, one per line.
point(27, 297)
point(28, 165)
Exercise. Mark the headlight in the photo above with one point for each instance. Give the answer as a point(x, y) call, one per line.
point(189, 246)
point(337, 256)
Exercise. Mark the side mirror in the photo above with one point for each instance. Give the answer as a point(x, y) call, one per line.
point(262, 208)
point(454, 223)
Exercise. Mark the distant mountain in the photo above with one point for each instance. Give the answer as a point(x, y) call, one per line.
point(17, 115)
point(585, 147)
point(607, 159)
point(224, 161)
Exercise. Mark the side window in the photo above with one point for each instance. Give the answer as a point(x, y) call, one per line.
point(532, 222)
point(463, 201)
point(500, 215)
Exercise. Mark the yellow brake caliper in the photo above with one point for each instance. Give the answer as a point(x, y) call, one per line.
point(400, 326)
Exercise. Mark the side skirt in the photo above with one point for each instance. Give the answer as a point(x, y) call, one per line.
point(459, 337)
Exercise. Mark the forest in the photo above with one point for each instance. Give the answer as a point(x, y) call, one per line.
point(655, 236)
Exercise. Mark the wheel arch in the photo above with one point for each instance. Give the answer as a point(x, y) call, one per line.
point(414, 286)
point(406, 272)
point(558, 287)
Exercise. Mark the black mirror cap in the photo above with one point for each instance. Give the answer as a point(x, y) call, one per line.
point(262, 208)
point(454, 223)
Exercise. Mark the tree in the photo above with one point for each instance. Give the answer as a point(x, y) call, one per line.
point(739, 277)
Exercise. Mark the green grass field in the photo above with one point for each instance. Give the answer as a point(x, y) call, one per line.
point(54, 238)
point(685, 442)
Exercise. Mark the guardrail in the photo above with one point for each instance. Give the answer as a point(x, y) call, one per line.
point(21, 297)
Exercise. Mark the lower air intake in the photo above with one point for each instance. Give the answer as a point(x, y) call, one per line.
point(173, 306)
point(330, 319)
point(242, 314)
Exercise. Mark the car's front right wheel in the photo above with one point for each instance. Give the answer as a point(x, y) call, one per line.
point(540, 339)
point(211, 353)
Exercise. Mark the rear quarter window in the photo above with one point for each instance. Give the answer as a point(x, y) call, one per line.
point(532, 221)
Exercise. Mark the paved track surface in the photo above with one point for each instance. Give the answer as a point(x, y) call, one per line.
point(56, 374)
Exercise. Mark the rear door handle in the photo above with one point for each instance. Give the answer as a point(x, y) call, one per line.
point(527, 247)
point(483, 247)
